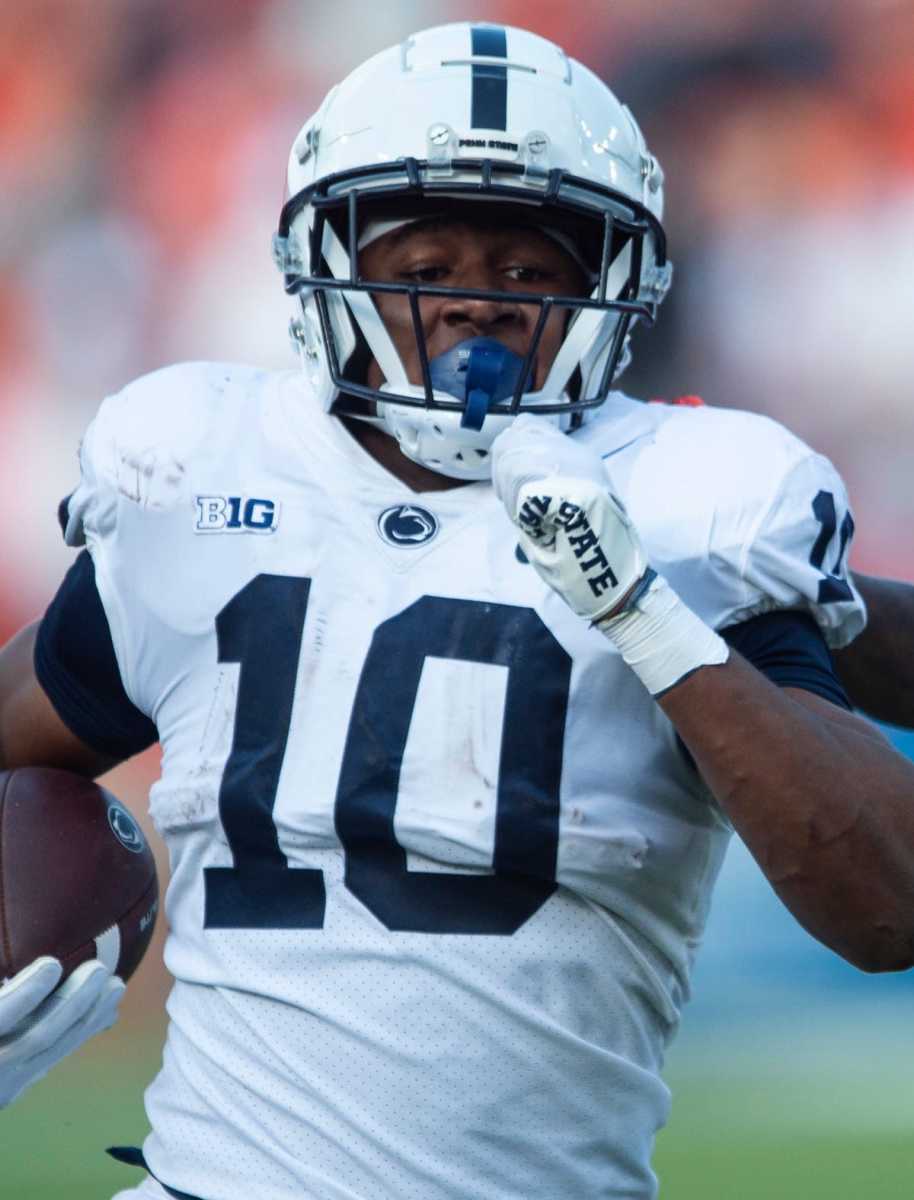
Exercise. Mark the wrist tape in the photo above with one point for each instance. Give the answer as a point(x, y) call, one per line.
point(661, 639)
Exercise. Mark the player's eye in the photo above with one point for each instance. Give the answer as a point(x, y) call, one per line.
point(425, 273)
point(528, 274)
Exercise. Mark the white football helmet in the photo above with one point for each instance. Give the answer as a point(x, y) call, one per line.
point(457, 115)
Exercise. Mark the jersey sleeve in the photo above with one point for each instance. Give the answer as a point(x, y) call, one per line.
point(132, 471)
point(77, 668)
point(789, 650)
point(92, 506)
point(89, 518)
point(798, 554)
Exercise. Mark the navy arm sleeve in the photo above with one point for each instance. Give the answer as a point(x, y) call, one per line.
point(788, 648)
point(77, 668)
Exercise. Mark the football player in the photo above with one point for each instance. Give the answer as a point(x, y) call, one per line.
point(464, 666)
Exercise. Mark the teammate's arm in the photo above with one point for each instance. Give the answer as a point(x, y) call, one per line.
point(877, 668)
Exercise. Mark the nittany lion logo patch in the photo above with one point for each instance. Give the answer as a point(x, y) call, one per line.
point(407, 525)
point(125, 829)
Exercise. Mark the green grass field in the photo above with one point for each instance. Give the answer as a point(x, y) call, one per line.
point(837, 1128)
point(845, 1167)
point(746, 1140)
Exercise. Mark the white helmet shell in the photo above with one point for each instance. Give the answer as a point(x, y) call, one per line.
point(454, 110)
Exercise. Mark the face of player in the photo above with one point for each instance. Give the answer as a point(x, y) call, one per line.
point(457, 253)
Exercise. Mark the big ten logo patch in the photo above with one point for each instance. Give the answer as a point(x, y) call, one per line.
point(235, 514)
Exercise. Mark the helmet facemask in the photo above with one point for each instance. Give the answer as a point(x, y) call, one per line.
point(317, 248)
point(520, 129)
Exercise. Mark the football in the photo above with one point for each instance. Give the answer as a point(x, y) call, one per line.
point(77, 877)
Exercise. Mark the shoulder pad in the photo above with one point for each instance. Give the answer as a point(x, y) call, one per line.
point(749, 535)
point(143, 440)
point(733, 457)
point(177, 403)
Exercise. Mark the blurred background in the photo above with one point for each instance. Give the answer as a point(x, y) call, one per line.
point(142, 157)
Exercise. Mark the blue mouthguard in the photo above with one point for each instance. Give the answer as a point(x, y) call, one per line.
point(480, 371)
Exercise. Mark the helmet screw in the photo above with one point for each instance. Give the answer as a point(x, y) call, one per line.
point(439, 135)
point(650, 172)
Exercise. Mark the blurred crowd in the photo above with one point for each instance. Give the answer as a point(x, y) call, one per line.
point(142, 154)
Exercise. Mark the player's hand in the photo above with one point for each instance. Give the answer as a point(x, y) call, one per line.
point(583, 544)
point(574, 531)
point(40, 1026)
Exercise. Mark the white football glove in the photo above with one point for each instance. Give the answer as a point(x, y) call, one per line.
point(583, 544)
point(39, 1027)
point(574, 531)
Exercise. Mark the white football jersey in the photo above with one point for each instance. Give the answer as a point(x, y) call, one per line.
point(439, 863)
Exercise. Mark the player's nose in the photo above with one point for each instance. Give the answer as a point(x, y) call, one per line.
point(483, 315)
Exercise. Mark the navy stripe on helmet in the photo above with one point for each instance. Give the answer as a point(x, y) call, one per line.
point(490, 81)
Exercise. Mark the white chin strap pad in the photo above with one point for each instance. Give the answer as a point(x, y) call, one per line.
point(434, 438)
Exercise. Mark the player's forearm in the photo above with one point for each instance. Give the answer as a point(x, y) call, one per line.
point(822, 801)
point(877, 669)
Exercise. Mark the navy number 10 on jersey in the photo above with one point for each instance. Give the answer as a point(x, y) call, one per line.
point(261, 629)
